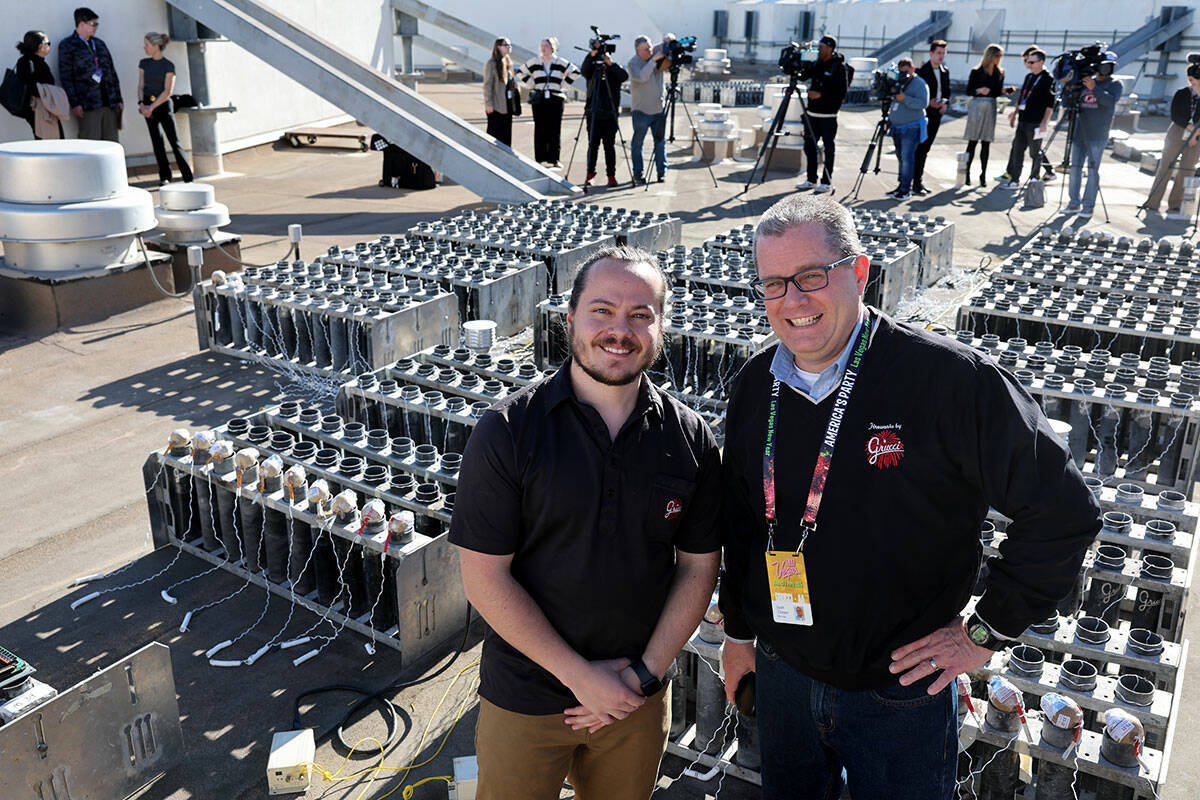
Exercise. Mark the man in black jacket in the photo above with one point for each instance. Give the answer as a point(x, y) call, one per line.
point(87, 74)
point(937, 76)
point(604, 79)
point(826, 93)
point(861, 457)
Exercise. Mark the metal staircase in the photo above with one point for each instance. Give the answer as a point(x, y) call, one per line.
point(937, 25)
point(448, 143)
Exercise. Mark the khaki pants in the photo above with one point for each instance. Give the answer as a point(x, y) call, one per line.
point(526, 757)
point(100, 123)
point(1187, 163)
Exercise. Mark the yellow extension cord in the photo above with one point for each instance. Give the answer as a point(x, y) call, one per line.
point(374, 771)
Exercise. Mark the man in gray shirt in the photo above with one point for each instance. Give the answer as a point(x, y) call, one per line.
point(646, 70)
point(1098, 98)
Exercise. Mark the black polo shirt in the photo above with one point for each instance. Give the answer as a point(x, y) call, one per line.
point(592, 523)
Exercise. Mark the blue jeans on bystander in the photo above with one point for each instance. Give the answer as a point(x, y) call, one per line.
point(1092, 152)
point(906, 140)
point(656, 124)
point(900, 742)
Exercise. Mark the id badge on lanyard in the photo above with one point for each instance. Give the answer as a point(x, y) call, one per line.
point(787, 577)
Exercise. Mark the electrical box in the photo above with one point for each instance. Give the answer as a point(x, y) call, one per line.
point(466, 779)
point(289, 769)
point(35, 693)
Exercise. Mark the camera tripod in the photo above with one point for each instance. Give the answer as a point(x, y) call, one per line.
point(598, 75)
point(776, 130)
point(675, 96)
point(875, 147)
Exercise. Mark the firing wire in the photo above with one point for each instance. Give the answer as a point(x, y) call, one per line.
point(179, 553)
point(291, 251)
point(378, 697)
point(153, 277)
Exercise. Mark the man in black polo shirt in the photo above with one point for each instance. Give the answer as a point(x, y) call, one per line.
point(937, 76)
point(861, 456)
point(1035, 104)
point(586, 519)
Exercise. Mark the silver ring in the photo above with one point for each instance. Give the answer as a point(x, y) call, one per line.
point(933, 664)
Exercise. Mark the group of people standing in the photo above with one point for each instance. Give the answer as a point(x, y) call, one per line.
point(89, 89)
point(547, 77)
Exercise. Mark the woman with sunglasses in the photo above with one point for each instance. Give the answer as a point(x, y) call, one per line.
point(499, 89)
point(31, 70)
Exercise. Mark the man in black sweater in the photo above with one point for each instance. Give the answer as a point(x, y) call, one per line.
point(826, 93)
point(604, 79)
point(937, 77)
point(1035, 104)
point(844, 586)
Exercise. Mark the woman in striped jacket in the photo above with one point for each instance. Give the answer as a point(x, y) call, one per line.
point(547, 77)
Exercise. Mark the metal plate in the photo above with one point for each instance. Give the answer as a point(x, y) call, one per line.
point(105, 738)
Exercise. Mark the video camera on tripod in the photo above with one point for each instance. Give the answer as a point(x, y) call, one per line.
point(1086, 62)
point(886, 84)
point(603, 42)
point(799, 60)
point(679, 50)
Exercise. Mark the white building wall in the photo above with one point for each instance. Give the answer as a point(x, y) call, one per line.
point(267, 100)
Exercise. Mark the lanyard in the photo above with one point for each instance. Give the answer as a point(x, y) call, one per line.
point(824, 456)
point(1027, 92)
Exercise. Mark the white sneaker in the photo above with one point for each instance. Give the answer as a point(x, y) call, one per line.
point(1071, 209)
point(804, 186)
point(822, 188)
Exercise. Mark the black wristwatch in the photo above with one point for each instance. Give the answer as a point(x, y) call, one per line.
point(651, 685)
point(979, 633)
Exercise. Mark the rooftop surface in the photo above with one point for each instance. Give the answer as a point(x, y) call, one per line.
point(83, 407)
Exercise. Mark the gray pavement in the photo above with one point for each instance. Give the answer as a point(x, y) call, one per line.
point(84, 406)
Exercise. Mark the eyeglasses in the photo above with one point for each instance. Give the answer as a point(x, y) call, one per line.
point(812, 279)
point(95, 23)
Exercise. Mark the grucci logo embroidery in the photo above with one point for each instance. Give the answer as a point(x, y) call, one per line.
point(884, 449)
point(674, 507)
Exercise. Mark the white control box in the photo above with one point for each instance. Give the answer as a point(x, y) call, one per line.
point(466, 778)
point(289, 769)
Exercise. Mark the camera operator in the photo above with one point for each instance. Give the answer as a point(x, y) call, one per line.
point(1035, 103)
point(1097, 102)
point(826, 93)
point(646, 70)
point(603, 102)
point(908, 125)
point(1182, 144)
point(937, 78)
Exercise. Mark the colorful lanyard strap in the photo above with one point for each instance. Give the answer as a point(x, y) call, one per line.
point(841, 400)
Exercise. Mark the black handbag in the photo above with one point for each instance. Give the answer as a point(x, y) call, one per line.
point(12, 94)
point(514, 98)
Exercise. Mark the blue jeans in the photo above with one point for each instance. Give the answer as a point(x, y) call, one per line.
point(1093, 152)
point(897, 743)
point(657, 125)
point(906, 150)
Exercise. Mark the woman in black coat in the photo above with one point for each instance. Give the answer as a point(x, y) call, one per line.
point(32, 69)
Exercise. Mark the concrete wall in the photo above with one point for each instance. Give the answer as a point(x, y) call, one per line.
point(268, 101)
point(569, 20)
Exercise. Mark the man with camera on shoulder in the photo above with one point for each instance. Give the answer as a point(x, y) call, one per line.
point(1098, 94)
point(826, 93)
point(646, 70)
point(909, 125)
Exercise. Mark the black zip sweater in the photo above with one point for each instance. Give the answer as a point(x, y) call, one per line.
point(897, 549)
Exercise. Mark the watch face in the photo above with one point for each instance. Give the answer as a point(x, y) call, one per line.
point(979, 634)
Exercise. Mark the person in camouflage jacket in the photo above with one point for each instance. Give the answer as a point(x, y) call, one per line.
point(87, 75)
